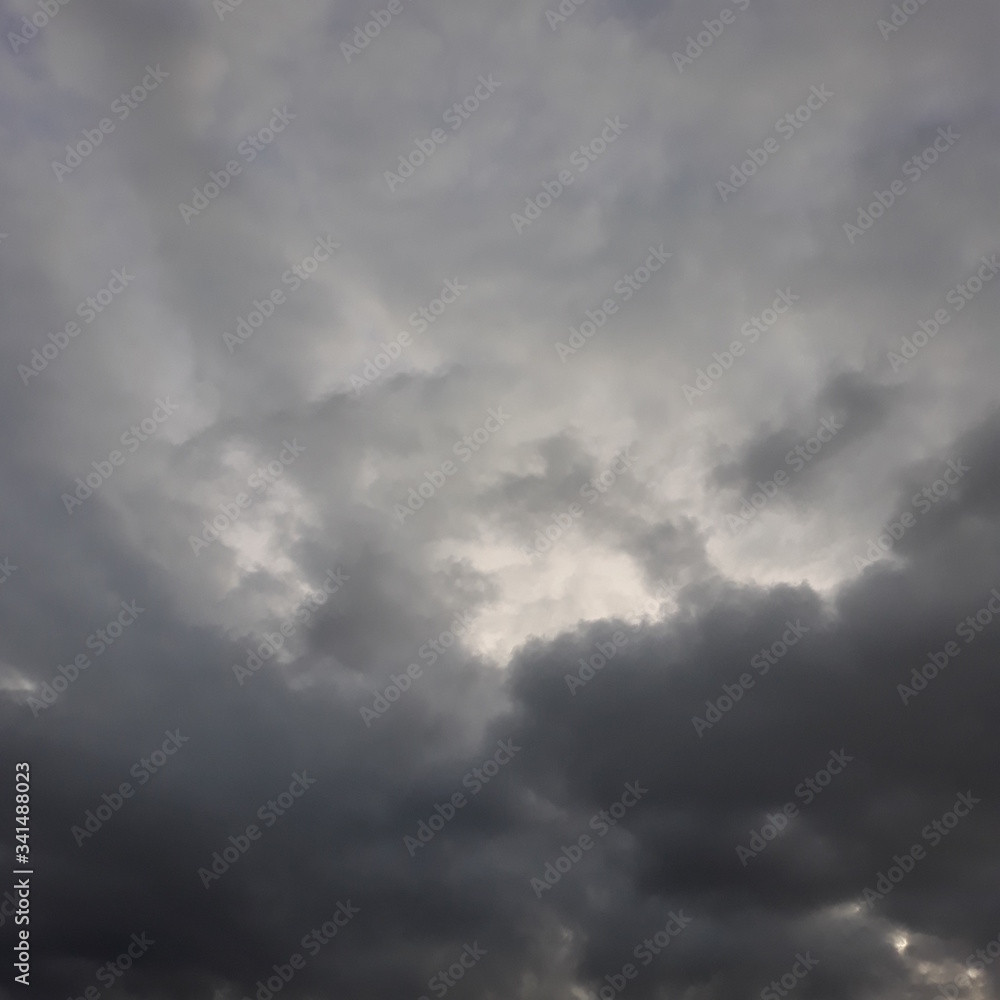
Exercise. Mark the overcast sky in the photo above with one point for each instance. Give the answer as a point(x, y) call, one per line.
point(517, 487)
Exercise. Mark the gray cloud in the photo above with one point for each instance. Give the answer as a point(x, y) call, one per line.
point(649, 645)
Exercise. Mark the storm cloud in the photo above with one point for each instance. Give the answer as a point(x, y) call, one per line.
point(500, 502)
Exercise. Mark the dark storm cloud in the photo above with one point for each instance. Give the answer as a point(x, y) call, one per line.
point(631, 722)
point(651, 758)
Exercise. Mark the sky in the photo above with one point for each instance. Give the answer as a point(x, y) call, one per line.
point(499, 501)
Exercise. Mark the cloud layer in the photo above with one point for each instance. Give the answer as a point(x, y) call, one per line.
point(502, 501)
